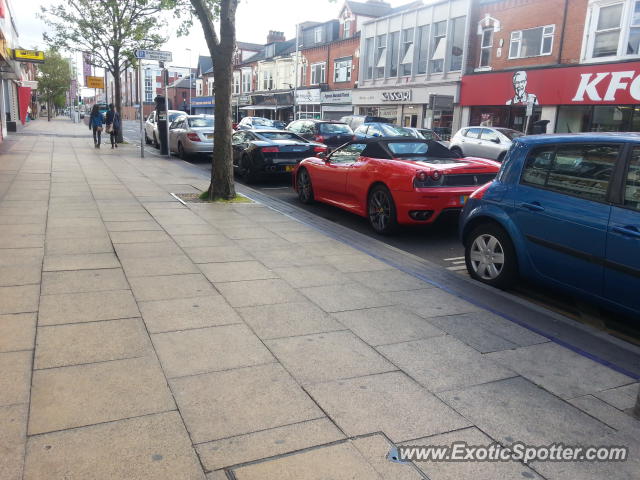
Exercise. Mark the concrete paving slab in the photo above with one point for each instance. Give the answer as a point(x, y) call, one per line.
point(86, 307)
point(190, 230)
point(337, 298)
point(431, 302)
point(388, 280)
point(167, 287)
point(147, 250)
point(202, 240)
point(152, 447)
point(77, 246)
point(267, 443)
point(76, 281)
point(28, 229)
point(16, 240)
point(15, 377)
point(390, 402)
point(620, 397)
point(147, 267)
point(13, 433)
point(187, 313)
point(312, 276)
point(17, 332)
point(82, 395)
point(257, 292)
point(285, 257)
point(263, 244)
point(21, 256)
point(148, 225)
point(191, 352)
point(19, 299)
point(606, 413)
point(384, 325)
point(358, 262)
point(87, 261)
point(237, 233)
point(16, 275)
point(477, 470)
point(375, 449)
point(75, 232)
point(288, 319)
point(560, 370)
point(236, 271)
point(240, 401)
point(143, 236)
point(79, 343)
point(17, 219)
point(444, 363)
point(516, 410)
point(217, 254)
point(327, 356)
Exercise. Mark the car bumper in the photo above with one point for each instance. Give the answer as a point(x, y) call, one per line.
point(425, 205)
point(197, 147)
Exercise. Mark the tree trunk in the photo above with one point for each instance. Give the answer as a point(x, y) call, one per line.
point(48, 110)
point(117, 82)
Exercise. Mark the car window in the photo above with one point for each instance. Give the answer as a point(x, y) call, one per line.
point(335, 129)
point(510, 134)
point(152, 117)
point(263, 122)
point(473, 133)
point(200, 122)
point(537, 166)
point(294, 127)
point(632, 182)
point(348, 153)
point(374, 131)
point(238, 138)
point(427, 134)
point(173, 116)
point(489, 135)
point(309, 127)
point(394, 131)
point(280, 136)
point(579, 170)
point(430, 150)
point(361, 130)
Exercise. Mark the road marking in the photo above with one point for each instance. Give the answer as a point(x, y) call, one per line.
point(453, 258)
point(457, 267)
point(457, 262)
point(274, 188)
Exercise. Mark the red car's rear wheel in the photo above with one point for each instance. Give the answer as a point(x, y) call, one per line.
point(382, 210)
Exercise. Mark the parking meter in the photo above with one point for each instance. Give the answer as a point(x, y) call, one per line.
point(161, 115)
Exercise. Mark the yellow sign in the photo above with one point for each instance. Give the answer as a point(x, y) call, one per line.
point(95, 82)
point(32, 56)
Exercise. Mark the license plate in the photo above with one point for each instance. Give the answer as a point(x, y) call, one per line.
point(288, 168)
point(463, 199)
point(209, 136)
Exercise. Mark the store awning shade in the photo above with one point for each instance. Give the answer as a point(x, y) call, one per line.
point(265, 107)
point(408, 56)
point(438, 53)
point(383, 59)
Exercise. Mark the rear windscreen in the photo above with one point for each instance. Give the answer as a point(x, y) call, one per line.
point(335, 129)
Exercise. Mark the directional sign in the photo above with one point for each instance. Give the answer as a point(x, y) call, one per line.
point(31, 56)
point(158, 55)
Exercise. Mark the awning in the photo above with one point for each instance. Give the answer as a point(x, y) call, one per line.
point(265, 107)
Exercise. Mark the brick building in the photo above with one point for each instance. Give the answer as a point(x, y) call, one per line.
point(567, 65)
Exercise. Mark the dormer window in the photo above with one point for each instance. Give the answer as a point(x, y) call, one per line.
point(346, 31)
point(270, 51)
point(317, 35)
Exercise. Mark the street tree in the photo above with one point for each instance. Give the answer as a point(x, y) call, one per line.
point(54, 78)
point(109, 29)
point(221, 48)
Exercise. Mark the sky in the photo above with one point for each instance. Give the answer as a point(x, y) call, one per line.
point(254, 19)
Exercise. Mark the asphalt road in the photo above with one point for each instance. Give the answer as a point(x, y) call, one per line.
point(437, 243)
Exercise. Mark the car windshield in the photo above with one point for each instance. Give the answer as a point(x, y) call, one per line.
point(173, 116)
point(335, 128)
point(263, 122)
point(436, 152)
point(201, 122)
point(510, 134)
point(280, 136)
point(393, 131)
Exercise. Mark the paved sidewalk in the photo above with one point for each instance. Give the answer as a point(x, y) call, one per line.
point(140, 338)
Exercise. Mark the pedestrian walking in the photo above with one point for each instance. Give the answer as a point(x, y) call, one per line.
point(95, 123)
point(113, 125)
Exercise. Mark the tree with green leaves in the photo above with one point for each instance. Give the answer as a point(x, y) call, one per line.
point(54, 79)
point(221, 47)
point(109, 29)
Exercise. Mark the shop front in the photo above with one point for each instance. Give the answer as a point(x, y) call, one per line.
point(308, 103)
point(203, 105)
point(586, 98)
point(336, 104)
point(237, 104)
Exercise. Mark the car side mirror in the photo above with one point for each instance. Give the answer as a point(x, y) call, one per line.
point(496, 140)
point(323, 156)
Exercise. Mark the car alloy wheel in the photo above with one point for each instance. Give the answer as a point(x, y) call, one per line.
point(487, 257)
point(181, 152)
point(382, 211)
point(305, 190)
point(155, 141)
point(245, 170)
point(490, 256)
point(457, 151)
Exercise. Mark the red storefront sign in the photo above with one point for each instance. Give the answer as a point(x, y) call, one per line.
point(614, 84)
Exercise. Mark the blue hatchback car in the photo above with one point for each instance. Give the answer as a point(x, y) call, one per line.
point(563, 210)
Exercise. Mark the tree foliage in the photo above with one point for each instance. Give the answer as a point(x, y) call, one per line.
point(54, 78)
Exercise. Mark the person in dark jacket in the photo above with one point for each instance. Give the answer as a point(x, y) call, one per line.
point(113, 125)
point(95, 124)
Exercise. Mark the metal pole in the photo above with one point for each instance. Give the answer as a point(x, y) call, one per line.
point(140, 109)
point(295, 83)
point(190, 79)
point(166, 105)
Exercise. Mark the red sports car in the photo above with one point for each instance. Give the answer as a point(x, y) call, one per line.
point(392, 180)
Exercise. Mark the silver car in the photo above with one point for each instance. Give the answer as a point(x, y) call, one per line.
point(484, 142)
point(151, 134)
point(191, 135)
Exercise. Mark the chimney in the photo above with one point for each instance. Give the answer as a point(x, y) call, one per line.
point(275, 36)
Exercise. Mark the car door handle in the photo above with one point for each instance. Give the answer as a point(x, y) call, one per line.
point(628, 230)
point(534, 207)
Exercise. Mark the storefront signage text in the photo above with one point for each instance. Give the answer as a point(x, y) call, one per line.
point(336, 96)
point(396, 96)
point(308, 96)
point(30, 56)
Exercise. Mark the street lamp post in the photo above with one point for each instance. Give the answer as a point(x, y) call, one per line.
point(190, 79)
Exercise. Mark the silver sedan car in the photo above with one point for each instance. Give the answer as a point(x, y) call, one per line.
point(191, 135)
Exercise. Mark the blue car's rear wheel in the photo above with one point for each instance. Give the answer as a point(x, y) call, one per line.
point(490, 256)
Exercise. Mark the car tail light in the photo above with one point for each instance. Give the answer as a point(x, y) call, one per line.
point(270, 149)
point(421, 176)
point(319, 148)
point(354, 138)
point(318, 138)
point(435, 175)
point(479, 193)
point(193, 137)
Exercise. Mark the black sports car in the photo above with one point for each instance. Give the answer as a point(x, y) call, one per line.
point(261, 153)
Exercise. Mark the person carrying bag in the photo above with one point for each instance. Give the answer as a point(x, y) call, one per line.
point(113, 125)
point(95, 124)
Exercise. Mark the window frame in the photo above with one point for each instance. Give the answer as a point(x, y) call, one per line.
point(518, 36)
point(407, 44)
point(486, 48)
point(323, 71)
point(380, 49)
point(435, 46)
point(625, 174)
point(317, 35)
point(591, 25)
point(337, 66)
point(246, 74)
point(346, 28)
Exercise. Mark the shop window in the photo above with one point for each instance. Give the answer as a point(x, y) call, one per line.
point(532, 42)
point(573, 119)
point(632, 182)
point(486, 44)
point(318, 73)
point(457, 44)
point(423, 49)
point(342, 70)
point(613, 30)
point(381, 55)
point(439, 47)
point(394, 41)
point(633, 45)
point(369, 58)
point(406, 53)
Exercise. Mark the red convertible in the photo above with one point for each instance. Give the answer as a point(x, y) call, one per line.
point(392, 180)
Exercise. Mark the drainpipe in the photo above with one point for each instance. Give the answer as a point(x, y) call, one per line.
point(564, 25)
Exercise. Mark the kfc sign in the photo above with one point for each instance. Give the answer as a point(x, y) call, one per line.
point(614, 84)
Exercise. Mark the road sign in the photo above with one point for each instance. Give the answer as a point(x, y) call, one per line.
point(31, 56)
point(153, 55)
point(95, 82)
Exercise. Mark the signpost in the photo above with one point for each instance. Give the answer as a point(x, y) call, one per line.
point(157, 55)
point(95, 82)
point(29, 56)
